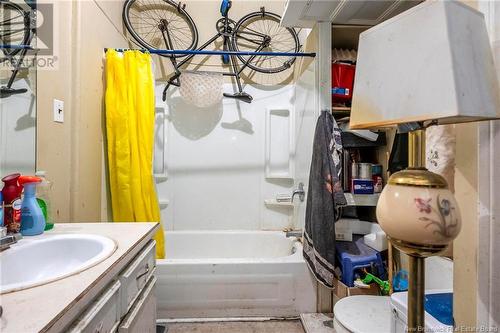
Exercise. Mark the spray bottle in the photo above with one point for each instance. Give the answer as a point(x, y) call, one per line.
point(12, 198)
point(32, 219)
point(43, 193)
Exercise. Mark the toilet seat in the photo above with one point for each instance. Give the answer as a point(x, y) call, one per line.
point(363, 314)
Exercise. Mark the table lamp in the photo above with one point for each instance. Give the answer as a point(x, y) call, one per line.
point(430, 65)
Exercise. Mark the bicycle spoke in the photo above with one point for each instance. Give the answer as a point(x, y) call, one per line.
point(282, 40)
point(250, 40)
point(7, 21)
point(253, 32)
point(146, 16)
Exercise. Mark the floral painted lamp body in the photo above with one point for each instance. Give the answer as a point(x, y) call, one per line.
point(419, 215)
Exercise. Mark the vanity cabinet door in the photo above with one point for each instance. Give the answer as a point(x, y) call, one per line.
point(142, 315)
point(103, 315)
point(135, 276)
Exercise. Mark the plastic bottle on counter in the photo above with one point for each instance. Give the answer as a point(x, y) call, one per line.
point(43, 194)
point(12, 202)
point(32, 219)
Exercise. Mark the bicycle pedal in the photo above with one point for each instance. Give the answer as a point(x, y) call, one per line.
point(243, 96)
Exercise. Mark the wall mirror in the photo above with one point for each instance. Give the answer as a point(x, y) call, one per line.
point(17, 88)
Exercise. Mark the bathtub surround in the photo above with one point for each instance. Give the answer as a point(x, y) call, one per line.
point(324, 196)
point(210, 163)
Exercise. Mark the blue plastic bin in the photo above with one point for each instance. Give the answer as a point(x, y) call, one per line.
point(357, 255)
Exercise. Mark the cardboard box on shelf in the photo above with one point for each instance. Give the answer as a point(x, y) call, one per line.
point(341, 290)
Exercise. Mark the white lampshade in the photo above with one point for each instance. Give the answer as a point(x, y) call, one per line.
point(432, 62)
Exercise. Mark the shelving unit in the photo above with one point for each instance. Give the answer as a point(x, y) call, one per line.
point(341, 111)
point(367, 200)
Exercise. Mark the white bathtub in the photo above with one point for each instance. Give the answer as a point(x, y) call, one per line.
point(233, 274)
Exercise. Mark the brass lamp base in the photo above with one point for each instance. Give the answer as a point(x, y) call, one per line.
point(417, 250)
point(420, 216)
point(416, 279)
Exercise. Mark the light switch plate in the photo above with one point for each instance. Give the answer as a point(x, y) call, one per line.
point(58, 111)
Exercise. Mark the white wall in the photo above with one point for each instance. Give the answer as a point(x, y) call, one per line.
point(487, 268)
point(72, 152)
point(215, 160)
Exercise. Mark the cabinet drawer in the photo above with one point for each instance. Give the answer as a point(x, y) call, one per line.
point(135, 276)
point(142, 315)
point(103, 315)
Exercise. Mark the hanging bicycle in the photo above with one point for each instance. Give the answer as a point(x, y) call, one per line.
point(17, 29)
point(257, 40)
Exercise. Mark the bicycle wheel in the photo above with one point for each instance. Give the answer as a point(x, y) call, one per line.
point(14, 29)
point(263, 29)
point(143, 19)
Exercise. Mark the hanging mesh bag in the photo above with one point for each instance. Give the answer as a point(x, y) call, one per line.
point(202, 89)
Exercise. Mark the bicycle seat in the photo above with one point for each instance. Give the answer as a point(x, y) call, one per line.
point(224, 7)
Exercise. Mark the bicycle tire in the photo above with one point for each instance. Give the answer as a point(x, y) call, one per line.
point(173, 7)
point(294, 39)
point(9, 53)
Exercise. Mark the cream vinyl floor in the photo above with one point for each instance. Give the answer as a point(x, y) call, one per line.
point(289, 326)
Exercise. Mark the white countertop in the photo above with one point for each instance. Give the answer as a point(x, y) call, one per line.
point(50, 307)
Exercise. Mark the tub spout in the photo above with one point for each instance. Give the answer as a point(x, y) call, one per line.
point(293, 233)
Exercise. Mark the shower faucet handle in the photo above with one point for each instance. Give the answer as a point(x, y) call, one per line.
point(300, 192)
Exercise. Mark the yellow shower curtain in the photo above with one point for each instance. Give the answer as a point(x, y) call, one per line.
point(130, 117)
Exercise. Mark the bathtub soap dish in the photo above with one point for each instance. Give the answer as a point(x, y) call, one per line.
point(276, 203)
point(284, 198)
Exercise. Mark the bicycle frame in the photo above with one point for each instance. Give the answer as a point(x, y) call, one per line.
point(226, 33)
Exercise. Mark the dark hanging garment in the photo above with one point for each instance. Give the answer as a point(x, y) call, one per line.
point(398, 160)
point(324, 196)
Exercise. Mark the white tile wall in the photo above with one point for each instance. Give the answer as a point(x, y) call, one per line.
point(215, 161)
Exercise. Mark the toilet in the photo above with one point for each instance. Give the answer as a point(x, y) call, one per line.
point(362, 314)
point(384, 314)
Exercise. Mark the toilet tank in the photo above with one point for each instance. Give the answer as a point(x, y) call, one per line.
point(399, 310)
point(438, 273)
point(438, 279)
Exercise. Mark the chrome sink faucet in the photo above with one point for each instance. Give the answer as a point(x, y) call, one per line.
point(7, 240)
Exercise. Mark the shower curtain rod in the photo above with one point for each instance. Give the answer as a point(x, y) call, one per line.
point(236, 53)
point(195, 52)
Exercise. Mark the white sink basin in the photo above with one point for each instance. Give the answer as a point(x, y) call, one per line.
point(36, 261)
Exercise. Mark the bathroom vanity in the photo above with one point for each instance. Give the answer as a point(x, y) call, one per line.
point(116, 294)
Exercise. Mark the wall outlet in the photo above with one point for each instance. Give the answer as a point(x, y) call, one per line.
point(58, 111)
